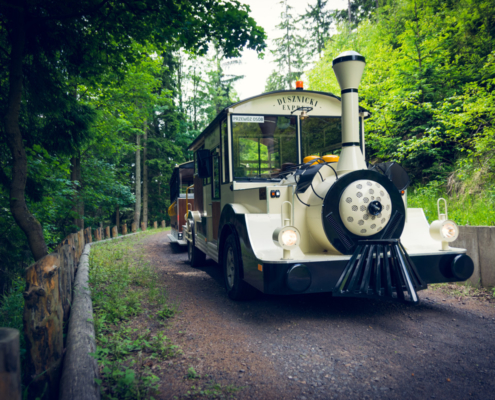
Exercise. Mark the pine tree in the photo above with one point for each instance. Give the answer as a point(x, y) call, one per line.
point(290, 51)
point(316, 22)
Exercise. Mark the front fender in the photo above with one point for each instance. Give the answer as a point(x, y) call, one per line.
point(233, 220)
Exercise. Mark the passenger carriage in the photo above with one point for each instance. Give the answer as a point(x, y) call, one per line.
point(181, 201)
point(286, 204)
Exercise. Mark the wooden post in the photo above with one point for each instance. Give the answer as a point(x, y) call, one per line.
point(10, 364)
point(79, 244)
point(43, 326)
point(133, 227)
point(65, 279)
point(87, 236)
point(124, 229)
point(96, 232)
point(163, 224)
point(107, 232)
point(155, 225)
point(143, 226)
point(115, 232)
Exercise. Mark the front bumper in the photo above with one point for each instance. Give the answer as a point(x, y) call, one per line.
point(323, 276)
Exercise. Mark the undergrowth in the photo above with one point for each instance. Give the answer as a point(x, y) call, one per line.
point(124, 287)
point(463, 209)
point(11, 310)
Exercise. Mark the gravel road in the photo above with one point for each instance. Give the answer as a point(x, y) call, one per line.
point(319, 347)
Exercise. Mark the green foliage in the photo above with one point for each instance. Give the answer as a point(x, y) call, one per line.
point(428, 83)
point(191, 373)
point(361, 10)
point(122, 284)
point(466, 209)
point(12, 308)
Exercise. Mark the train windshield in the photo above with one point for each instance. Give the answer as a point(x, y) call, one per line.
point(321, 136)
point(264, 145)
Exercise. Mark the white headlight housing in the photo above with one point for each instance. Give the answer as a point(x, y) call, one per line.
point(444, 230)
point(287, 237)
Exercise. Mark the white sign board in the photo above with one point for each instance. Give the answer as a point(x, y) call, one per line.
point(260, 119)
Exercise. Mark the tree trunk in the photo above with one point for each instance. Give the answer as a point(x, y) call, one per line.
point(75, 177)
point(117, 217)
point(145, 176)
point(22, 216)
point(137, 207)
point(349, 11)
point(43, 326)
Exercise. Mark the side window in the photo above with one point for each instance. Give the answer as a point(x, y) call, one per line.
point(224, 140)
point(215, 187)
point(206, 181)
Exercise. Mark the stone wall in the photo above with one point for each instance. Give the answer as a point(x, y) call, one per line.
point(479, 241)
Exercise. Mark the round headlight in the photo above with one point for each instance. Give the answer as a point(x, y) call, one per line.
point(444, 230)
point(287, 237)
point(449, 231)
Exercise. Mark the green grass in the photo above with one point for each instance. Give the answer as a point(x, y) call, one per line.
point(125, 295)
point(469, 209)
point(212, 390)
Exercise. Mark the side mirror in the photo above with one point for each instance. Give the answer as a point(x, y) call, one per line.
point(204, 163)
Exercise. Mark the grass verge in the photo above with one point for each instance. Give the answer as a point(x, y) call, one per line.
point(125, 294)
point(465, 290)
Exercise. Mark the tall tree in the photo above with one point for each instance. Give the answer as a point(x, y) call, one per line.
point(316, 22)
point(145, 176)
point(137, 178)
point(357, 11)
point(289, 53)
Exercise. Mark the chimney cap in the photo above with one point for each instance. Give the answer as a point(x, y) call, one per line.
point(348, 56)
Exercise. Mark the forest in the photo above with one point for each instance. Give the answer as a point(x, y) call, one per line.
point(100, 100)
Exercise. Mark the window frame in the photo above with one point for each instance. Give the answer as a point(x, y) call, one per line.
point(298, 144)
point(216, 155)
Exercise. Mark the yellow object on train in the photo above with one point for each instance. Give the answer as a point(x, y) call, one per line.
point(171, 210)
point(329, 158)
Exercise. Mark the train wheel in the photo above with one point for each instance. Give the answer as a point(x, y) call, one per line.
point(236, 288)
point(196, 256)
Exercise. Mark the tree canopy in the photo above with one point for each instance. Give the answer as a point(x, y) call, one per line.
point(80, 80)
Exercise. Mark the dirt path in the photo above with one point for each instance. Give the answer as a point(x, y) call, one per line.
point(319, 347)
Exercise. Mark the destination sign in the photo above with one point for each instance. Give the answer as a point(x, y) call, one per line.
point(260, 119)
point(293, 102)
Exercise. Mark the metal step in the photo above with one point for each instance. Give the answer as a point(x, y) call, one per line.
point(380, 269)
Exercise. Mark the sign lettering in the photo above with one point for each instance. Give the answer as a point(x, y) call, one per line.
point(260, 119)
point(291, 103)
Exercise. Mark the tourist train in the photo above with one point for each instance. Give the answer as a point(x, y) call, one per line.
point(285, 202)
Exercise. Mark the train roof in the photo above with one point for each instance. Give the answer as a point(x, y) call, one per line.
point(222, 114)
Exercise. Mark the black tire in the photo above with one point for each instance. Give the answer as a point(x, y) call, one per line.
point(196, 256)
point(236, 288)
